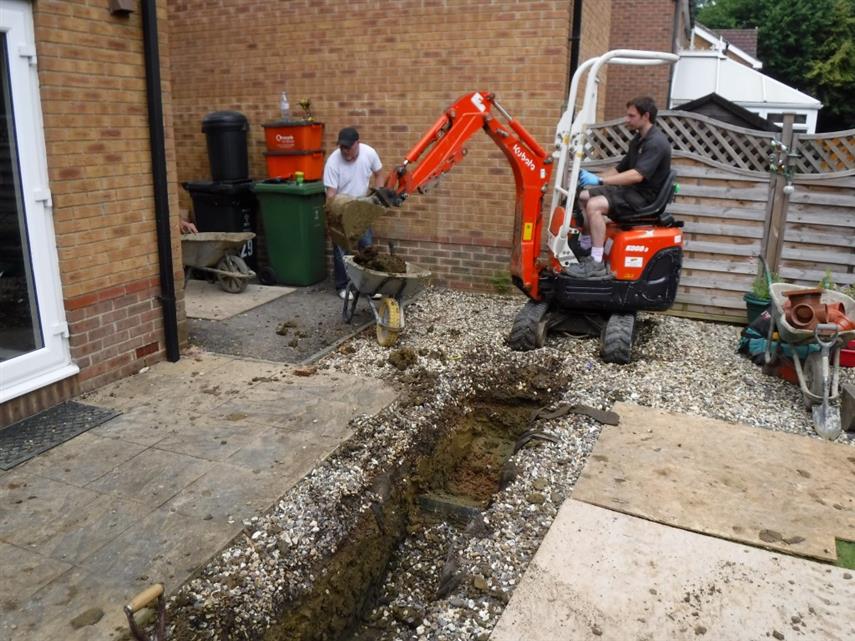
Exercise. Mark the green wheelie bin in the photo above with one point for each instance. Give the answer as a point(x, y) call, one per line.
point(294, 230)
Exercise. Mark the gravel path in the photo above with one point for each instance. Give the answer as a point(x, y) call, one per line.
point(448, 583)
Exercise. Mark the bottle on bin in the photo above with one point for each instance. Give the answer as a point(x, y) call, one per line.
point(284, 107)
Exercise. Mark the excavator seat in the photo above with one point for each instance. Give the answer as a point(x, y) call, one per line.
point(654, 213)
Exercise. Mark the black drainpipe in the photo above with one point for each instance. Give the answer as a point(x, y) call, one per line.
point(575, 40)
point(158, 172)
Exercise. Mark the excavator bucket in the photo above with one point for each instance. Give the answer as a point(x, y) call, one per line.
point(349, 217)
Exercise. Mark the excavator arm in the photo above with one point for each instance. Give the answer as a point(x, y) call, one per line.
point(442, 147)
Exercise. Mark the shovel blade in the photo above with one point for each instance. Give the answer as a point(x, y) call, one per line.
point(826, 420)
point(847, 407)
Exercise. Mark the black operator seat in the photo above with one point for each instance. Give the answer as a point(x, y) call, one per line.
point(654, 213)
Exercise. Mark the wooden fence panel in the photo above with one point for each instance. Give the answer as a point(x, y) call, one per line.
point(724, 201)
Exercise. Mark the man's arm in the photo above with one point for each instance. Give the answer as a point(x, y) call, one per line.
point(331, 192)
point(378, 179)
point(622, 178)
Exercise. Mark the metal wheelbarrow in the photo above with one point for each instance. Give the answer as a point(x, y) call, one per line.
point(819, 374)
point(392, 288)
point(217, 252)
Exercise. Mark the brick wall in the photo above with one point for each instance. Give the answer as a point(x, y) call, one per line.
point(390, 69)
point(92, 76)
point(635, 25)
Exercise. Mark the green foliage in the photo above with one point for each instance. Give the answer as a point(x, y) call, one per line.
point(501, 282)
point(760, 285)
point(827, 280)
point(807, 44)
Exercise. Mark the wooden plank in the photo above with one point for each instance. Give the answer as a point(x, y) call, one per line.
point(713, 173)
point(712, 211)
point(716, 281)
point(768, 489)
point(842, 199)
point(722, 266)
point(796, 235)
point(755, 194)
point(813, 276)
point(749, 249)
point(738, 231)
point(819, 216)
point(711, 300)
point(818, 256)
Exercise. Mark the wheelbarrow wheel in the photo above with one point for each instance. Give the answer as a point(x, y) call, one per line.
point(389, 322)
point(812, 371)
point(232, 284)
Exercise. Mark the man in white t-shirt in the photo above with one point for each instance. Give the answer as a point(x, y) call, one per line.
point(349, 170)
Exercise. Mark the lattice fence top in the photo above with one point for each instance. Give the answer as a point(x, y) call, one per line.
point(694, 136)
point(730, 147)
point(825, 153)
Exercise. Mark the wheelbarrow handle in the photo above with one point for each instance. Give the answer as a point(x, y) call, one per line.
point(145, 597)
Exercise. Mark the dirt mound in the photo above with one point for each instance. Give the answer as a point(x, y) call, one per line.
point(371, 258)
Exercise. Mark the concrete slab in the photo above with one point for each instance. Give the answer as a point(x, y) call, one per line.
point(82, 459)
point(151, 477)
point(206, 300)
point(186, 439)
point(23, 572)
point(34, 509)
point(602, 575)
point(765, 488)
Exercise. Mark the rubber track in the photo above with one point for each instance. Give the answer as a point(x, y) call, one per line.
point(524, 331)
point(617, 339)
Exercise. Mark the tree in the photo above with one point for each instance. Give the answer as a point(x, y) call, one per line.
point(807, 44)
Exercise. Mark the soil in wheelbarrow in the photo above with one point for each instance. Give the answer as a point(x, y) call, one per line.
point(371, 258)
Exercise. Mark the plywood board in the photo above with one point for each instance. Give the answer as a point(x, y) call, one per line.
point(206, 300)
point(604, 576)
point(770, 489)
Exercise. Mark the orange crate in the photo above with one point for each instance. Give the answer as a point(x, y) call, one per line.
point(293, 135)
point(283, 164)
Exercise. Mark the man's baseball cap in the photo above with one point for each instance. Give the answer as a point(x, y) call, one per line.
point(347, 136)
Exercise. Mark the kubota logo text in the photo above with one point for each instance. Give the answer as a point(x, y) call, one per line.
point(528, 162)
point(637, 248)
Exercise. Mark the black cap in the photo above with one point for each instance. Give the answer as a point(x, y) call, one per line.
point(347, 136)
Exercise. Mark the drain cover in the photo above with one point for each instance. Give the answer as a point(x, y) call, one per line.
point(23, 440)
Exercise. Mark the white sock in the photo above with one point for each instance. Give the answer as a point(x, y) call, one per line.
point(597, 254)
point(584, 241)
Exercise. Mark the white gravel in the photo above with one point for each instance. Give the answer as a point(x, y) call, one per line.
point(460, 341)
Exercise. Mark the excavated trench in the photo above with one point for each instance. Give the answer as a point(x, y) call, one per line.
point(450, 480)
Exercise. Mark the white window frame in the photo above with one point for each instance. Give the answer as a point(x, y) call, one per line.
point(52, 362)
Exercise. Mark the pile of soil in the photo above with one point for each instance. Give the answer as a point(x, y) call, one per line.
point(371, 258)
point(349, 217)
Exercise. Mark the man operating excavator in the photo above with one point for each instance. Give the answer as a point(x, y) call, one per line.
point(622, 190)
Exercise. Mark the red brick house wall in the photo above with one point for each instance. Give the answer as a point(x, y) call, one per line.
point(647, 25)
point(389, 69)
point(92, 77)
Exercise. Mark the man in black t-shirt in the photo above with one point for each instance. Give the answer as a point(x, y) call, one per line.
point(622, 190)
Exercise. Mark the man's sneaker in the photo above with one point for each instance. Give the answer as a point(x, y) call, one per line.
point(345, 293)
point(589, 269)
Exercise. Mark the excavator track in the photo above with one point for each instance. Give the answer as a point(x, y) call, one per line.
point(529, 330)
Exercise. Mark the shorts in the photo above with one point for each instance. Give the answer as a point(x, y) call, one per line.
point(623, 201)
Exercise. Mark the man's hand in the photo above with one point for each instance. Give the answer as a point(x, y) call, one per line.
point(187, 227)
point(588, 179)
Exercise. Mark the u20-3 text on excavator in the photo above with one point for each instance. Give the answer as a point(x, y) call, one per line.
point(644, 254)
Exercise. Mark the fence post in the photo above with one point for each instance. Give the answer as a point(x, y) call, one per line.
point(776, 208)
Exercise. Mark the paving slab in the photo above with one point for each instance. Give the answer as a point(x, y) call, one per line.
point(154, 493)
point(606, 576)
point(151, 477)
point(206, 300)
point(764, 488)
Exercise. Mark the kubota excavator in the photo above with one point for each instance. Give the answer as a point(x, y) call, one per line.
point(644, 254)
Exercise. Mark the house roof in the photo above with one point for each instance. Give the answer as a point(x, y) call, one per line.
point(740, 115)
point(701, 72)
point(745, 39)
point(718, 42)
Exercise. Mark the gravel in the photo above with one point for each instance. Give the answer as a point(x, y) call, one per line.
point(447, 582)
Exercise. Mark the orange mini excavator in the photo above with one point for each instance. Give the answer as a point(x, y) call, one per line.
point(644, 254)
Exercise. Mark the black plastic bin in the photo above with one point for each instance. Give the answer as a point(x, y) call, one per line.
point(226, 134)
point(226, 206)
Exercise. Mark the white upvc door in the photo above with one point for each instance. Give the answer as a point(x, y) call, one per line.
point(34, 348)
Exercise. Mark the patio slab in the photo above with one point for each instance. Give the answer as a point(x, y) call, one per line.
point(154, 493)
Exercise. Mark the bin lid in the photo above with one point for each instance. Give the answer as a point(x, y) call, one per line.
point(292, 123)
point(294, 152)
point(224, 120)
point(218, 187)
point(290, 187)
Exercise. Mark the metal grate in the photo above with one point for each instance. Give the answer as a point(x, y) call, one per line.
point(23, 440)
